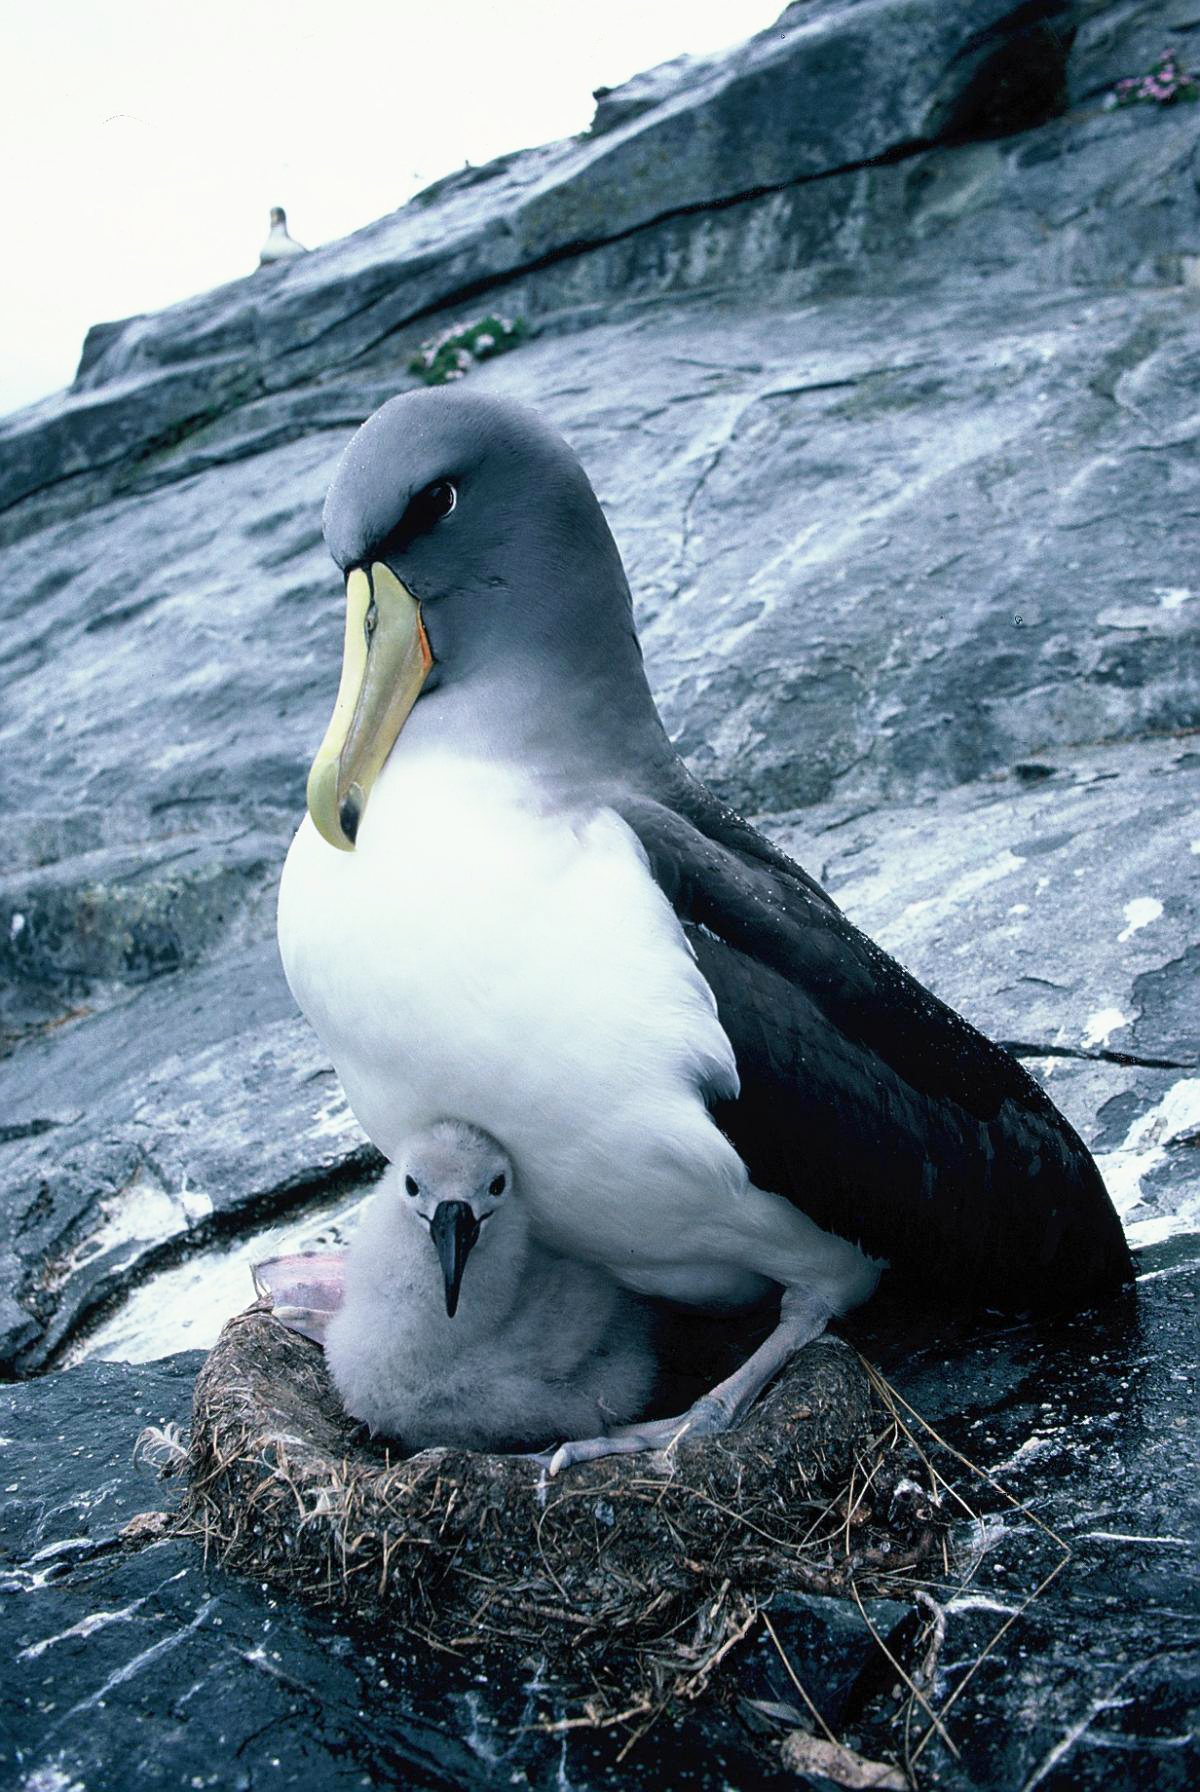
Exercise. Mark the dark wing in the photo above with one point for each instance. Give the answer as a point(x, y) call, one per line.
point(869, 1103)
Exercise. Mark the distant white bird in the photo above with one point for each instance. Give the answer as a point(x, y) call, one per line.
point(279, 246)
point(543, 1348)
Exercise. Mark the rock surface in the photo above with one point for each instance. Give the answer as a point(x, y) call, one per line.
point(132, 1664)
point(874, 339)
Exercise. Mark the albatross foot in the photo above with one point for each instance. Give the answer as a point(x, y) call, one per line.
point(706, 1418)
point(801, 1319)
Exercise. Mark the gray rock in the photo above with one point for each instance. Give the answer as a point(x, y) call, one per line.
point(1118, 41)
point(1089, 1433)
point(1086, 847)
point(187, 1109)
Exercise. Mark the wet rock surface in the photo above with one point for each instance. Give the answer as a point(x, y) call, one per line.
point(873, 338)
point(1092, 1425)
point(134, 1663)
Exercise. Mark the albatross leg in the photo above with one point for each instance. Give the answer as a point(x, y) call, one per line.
point(801, 1319)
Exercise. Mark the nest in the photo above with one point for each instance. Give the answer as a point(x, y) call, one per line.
point(630, 1578)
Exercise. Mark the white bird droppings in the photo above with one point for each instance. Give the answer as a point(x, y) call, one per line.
point(85, 1628)
point(1139, 913)
point(50, 1778)
point(958, 892)
point(1143, 1150)
point(334, 1119)
point(1101, 1024)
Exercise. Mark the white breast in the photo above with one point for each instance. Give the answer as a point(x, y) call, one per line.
point(477, 956)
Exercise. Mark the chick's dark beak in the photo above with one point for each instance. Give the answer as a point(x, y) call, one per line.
point(454, 1230)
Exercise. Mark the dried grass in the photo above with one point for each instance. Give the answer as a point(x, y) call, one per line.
point(626, 1583)
point(631, 1579)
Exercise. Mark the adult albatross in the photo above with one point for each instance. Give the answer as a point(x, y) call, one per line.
point(510, 899)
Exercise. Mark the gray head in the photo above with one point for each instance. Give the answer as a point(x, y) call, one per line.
point(278, 216)
point(486, 598)
point(452, 1178)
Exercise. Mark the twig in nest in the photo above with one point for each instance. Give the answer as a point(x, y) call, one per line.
point(588, 1719)
point(895, 1400)
point(887, 1392)
point(935, 1721)
point(691, 1686)
point(794, 1678)
point(937, 1635)
point(926, 1670)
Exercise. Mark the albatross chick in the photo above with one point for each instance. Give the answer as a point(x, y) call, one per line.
point(532, 1348)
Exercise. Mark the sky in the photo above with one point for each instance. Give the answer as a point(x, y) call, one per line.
point(143, 143)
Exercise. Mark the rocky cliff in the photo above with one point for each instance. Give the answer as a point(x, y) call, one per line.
point(877, 339)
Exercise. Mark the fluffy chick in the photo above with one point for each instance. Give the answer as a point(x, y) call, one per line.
point(541, 1349)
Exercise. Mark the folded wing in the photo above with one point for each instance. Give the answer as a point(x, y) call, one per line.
point(864, 1099)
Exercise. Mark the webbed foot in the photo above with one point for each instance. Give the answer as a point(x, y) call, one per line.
point(723, 1407)
point(707, 1418)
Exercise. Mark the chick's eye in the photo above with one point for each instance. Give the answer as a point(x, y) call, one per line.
point(496, 1185)
point(411, 1186)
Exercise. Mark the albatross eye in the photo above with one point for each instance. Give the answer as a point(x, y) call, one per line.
point(496, 1185)
point(411, 1185)
point(439, 498)
point(424, 511)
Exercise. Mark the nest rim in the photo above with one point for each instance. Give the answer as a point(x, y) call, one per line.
point(631, 1577)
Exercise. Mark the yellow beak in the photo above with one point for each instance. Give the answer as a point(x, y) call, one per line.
point(385, 662)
